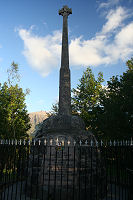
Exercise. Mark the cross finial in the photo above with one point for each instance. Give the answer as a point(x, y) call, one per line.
point(65, 11)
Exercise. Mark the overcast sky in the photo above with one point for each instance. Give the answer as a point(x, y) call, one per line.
point(100, 36)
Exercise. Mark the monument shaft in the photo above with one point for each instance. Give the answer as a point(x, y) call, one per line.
point(65, 83)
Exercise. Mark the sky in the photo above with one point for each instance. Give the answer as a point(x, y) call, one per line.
point(100, 37)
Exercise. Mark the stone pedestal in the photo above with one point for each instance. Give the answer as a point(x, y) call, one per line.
point(62, 166)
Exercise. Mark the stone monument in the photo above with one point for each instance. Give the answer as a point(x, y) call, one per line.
point(64, 122)
point(49, 168)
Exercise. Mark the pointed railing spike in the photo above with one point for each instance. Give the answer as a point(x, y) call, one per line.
point(45, 142)
point(131, 142)
point(80, 142)
point(39, 142)
point(34, 142)
point(68, 142)
point(97, 143)
point(101, 143)
point(126, 142)
point(86, 142)
point(51, 142)
point(57, 141)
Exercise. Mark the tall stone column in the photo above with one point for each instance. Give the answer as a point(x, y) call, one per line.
point(65, 83)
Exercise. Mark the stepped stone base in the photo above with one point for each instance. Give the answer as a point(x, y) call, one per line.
point(75, 171)
point(61, 124)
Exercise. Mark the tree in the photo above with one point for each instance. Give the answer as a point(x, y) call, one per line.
point(86, 96)
point(14, 119)
point(54, 109)
point(13, 74)
point(114, 116)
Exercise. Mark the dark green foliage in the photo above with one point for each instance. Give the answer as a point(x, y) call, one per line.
point(14, 119)
point(115, 112)
point(86, 96)
point(54, 109)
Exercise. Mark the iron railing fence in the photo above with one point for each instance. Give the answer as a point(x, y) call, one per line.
point(41, 170)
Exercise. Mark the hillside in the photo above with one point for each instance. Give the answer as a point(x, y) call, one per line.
point(36, 118)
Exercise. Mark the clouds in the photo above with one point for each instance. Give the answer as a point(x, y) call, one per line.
point(122, 47)
point(102, 4)
point(87, 52)
point(114, 20)
point(108, 3)
point(41, 52)
point(113, 42)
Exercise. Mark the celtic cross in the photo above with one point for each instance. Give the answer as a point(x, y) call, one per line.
point(65, 88)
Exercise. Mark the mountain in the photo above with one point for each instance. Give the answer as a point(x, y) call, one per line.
point(35, 119)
